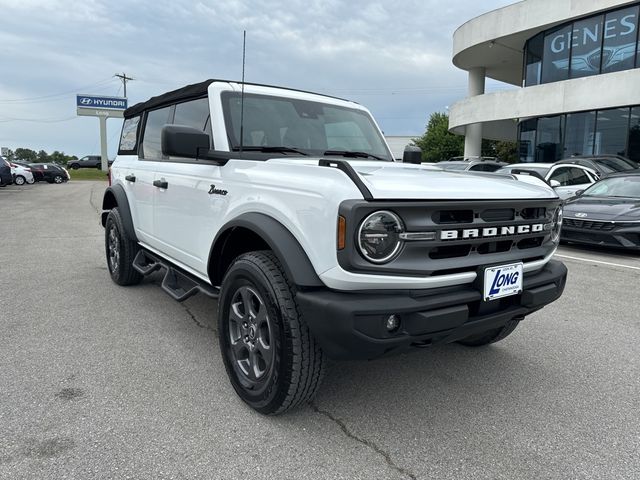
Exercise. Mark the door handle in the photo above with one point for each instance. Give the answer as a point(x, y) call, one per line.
point(130, 178)
point(161, 184)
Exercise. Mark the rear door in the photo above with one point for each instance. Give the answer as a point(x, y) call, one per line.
point(139, 173)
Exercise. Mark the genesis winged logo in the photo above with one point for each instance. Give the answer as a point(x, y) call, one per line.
point(581, 215)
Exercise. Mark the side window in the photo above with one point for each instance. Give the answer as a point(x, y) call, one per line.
point(194, 114)
point(156, 119)
point(568, 176)
point(129, 136)
point(577, 176)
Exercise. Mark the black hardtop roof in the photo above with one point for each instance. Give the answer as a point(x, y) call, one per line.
point(194, 91)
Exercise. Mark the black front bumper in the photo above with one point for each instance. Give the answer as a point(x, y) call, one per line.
point(627, 237)
point(350, 325)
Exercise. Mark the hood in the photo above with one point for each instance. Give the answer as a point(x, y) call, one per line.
point(390, 180)
point(603, 208)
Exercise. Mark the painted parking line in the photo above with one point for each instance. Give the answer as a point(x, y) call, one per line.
point(589, 260)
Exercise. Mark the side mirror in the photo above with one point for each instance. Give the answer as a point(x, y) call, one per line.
point(412, 155)
point(183, 141)
point(578, 193)
point(554, 183)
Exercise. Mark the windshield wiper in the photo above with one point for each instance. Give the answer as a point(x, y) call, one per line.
point(269, 149)
point(352, 154)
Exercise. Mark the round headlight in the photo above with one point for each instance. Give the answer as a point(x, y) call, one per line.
point(379, 236)
point(557, 225)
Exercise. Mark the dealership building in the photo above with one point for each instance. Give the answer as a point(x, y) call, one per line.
point(577, 64)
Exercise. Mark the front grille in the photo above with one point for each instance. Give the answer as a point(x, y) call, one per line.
point(468, 234)
point(589, 224)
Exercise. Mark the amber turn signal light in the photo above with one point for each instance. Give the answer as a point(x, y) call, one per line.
point(342, 232)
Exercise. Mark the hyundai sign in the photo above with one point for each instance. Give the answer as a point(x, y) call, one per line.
point(102, 103)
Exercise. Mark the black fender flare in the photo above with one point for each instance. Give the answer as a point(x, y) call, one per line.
point(281, 241)
point(115, 196)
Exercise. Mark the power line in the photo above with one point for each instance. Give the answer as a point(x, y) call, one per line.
point(75, 90)
point(37, 120)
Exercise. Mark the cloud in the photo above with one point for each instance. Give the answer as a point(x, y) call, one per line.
point(394, 57)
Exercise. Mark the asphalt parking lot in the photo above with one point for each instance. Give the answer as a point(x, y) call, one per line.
point(101, 381)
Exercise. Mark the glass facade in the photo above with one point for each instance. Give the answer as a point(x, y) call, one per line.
point(602, 43)
point(613, 131)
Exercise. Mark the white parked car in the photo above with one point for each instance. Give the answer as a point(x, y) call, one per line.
point(566, 179)
point(287, 206)
point(21, 175)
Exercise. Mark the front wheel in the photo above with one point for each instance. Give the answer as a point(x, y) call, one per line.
point(75, 166)
point(491, 336)
point(58, 179)
point(272, 360)
point(120, 251)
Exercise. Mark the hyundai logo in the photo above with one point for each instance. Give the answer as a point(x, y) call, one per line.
point(581, 215)
point(86, 101)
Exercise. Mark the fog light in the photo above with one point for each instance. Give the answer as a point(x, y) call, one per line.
point(392, 323)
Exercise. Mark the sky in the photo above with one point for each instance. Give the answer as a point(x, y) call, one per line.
point(392, 56)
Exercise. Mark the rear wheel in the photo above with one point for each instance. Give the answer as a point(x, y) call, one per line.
point(490, 336)
point(120, 251)
point(272, 360)
point(19, 180)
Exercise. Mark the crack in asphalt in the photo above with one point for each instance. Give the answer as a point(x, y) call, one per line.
point(93, 191)
point(198, 322)
point(368, 443)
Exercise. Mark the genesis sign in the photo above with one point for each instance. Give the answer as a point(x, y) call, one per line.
point(94, 102)
point(613, 28)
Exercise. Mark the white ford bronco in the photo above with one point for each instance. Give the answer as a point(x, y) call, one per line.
point(287, 206)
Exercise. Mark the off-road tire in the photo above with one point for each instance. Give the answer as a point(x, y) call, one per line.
point(120, 251)
point(490, 336)
point(297, 361)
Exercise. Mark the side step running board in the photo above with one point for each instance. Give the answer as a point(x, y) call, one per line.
point(179, 284)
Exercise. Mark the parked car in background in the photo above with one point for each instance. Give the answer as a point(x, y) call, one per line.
point(5, 173)
point(89, 161)
point(606, 214)
point(566, 179)
point(49, 172)
point(603, 165)
point(21, 174)
point(472, 164)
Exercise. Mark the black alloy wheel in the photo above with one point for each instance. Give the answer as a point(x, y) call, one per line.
point(120, 251)
point(272, 360)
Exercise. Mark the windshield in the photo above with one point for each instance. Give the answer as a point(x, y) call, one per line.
point(614, 165)
point(615, 187)
point(271, 123)
point(542, 171)
point(452, 166)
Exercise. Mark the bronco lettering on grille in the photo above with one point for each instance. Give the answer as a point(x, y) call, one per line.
point(491, 231)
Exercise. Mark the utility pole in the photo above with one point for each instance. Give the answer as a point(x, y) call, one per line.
point(123, 76)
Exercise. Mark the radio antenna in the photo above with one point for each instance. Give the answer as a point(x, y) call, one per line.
point(244, 45)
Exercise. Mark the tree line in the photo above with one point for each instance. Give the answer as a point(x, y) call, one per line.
point(31, 156)
point(437, 143)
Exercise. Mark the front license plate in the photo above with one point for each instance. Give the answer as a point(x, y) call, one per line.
point(502, 281)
